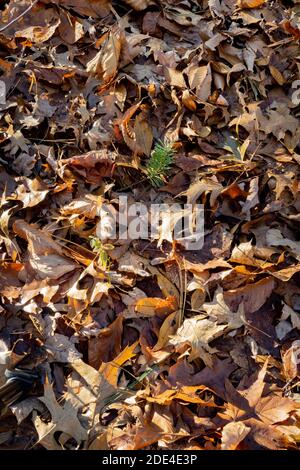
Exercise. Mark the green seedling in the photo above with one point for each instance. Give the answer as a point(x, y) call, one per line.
point(159, 164)
point(101, 249)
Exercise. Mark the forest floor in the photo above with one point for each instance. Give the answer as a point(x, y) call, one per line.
point(145, 341)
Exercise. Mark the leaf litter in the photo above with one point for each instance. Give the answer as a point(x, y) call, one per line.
point(141, 343)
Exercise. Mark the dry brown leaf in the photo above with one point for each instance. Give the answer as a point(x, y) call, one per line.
point(143, 134)
point(186, 394)
point(107, 344)
point(272, 409)
point(63, 419)
point(277, 75)
point(198, 332)
point(253, 296)
point(218, 310)
point(31, 192)
point(87, 90)
point(232, 434)
point(37, 27)
point(93, 8)
point(174, 77)
point(189, 100)
point(92, 166)
point(105, 63)
point(167, 329)
point(291, 362)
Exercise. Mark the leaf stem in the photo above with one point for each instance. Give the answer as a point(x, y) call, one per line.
point(19, 17)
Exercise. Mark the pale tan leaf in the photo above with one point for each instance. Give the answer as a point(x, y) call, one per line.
point(139, 5)
point(105, 63)
point(198, 332)
point(273, 409)
point(232, 434)
point(63, 419)
point(174, 77)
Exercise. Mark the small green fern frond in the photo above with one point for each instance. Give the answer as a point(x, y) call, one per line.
point(160, 163)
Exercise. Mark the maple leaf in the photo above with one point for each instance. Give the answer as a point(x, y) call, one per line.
point(219, 311)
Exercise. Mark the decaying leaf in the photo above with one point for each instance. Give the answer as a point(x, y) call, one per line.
point(95, 9)
point(198, 332)
point(105, 63)
point(154, 306)
point(63, 419)
point(251, 3)
point(232, 434)
point(127, 130)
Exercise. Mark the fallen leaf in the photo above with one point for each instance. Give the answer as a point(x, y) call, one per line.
point(232, 434)
point(148, 307)
point(63, 419)
point(251, 3)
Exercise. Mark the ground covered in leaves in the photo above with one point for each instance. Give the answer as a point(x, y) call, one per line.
point(143, 344)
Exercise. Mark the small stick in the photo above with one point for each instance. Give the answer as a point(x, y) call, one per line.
point(19, 17)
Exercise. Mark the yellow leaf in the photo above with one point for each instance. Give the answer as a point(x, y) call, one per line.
point(167, 329)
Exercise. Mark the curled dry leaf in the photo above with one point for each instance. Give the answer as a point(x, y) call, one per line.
point(232, 434)
point(92, 166)
point(105, 63)
point(63, 419)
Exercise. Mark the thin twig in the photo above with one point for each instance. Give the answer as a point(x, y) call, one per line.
point(19, 17)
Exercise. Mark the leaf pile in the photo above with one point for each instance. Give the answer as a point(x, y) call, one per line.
point(143, 344)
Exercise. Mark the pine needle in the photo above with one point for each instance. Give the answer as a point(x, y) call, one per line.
point(159, 164)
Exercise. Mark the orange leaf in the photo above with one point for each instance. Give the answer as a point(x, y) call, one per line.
point(110, 370)
point(155, 306)
point(185, 393)
point(5, 66)
point(251, 3)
